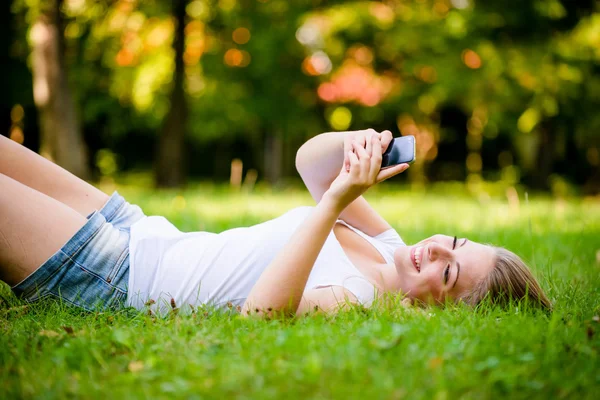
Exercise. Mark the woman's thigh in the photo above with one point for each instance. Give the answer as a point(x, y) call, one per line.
point(40, 174)
point(33, 226)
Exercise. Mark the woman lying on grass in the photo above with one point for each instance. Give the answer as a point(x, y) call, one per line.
point(61, 237)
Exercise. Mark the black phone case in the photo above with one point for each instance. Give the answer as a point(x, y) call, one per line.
point(401, 150)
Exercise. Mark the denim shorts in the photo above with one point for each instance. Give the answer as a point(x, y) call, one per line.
point(91, 270)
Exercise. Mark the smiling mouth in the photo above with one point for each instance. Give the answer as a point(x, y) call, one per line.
point(415, 257)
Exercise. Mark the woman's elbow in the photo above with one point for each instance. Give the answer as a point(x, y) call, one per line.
point(301, 160)
point(267, 312)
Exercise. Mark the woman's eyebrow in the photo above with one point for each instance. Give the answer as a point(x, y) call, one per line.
point(463, 243)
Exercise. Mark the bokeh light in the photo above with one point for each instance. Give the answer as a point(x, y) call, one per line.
point(241, 35)
point(317, 64)
point(106, 162)
point(474, 162)
point(471, 59)
point(159, 32)
point(460, 4)
point(17, 113)
point(124, 57)
point(237, 58)
point(362, 54)
point(16, 134)
point(427, 103)
point(426, 73)
point(528, 120)
point(356, 83)
point(227, 5)
point(197, 9)
point(195, 42)
point(441, 8)
point(327, 91)
point(383, 13)
point(340, 119)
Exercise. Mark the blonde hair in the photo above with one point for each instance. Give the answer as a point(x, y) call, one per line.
point(510, 279)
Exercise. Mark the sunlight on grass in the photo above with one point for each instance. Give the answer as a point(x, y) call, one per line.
point(51, 350)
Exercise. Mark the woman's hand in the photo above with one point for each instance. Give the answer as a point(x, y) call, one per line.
point(362, 137)
point(363, 171)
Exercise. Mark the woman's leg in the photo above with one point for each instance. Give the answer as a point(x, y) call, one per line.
point(33, 227)
point(33, 170)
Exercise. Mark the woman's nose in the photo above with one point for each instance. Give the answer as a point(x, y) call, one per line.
point(436, 251)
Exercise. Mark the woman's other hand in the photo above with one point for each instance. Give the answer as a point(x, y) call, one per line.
point(362, 137)
point(363, 170)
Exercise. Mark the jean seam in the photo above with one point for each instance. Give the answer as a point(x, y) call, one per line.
point(115, 211)
point(117, 267)
point(117, 298)
point(39, 292)
point(55, 296)
point(102, 280)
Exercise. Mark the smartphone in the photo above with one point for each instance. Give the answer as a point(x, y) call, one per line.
point(401, 150)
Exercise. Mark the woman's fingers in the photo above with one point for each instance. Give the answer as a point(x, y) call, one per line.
point(368, 147)
point(369, 144)
point(347, 148)
point(386, 138)
point(360, 140)
point(354, 163)
point(389, 172)
point(375, 158)
point(364, 159)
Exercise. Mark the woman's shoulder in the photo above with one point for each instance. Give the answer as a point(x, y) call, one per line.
point(389, 236)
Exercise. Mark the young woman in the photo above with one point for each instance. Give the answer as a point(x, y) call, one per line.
point(61, 237)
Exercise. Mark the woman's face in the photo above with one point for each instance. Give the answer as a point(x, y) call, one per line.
point(439, 267)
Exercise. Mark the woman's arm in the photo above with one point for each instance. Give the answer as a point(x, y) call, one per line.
point(318, 162)
point(280, 287)
point(330, 299)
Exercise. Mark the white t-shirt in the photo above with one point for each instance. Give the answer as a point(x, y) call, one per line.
point(207, 268)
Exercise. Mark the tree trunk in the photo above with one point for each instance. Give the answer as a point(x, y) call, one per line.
point(545, 157)
point(170, 170)
point(272, 158)
point(60, 135)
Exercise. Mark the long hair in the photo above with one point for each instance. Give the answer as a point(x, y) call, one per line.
point(510, 279)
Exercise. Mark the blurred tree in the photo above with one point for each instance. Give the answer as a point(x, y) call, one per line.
point(504, 69)
point(252, 87)
point(492, 90)
point(169, 170)
point(61, 138)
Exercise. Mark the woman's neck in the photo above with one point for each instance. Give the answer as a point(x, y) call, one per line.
point(384, 277)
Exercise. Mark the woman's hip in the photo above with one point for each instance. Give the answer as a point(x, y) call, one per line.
point(92, 269)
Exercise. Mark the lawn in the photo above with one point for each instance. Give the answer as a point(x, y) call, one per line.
point(50, 350)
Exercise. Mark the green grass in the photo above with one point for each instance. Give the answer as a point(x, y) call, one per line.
point(50, 350)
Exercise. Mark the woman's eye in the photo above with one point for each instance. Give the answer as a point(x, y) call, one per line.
point(454, 243)
point(447, 274)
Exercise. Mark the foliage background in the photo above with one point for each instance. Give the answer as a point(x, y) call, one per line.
point(498, 90)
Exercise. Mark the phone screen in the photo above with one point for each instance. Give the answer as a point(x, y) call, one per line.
point(400, 150)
